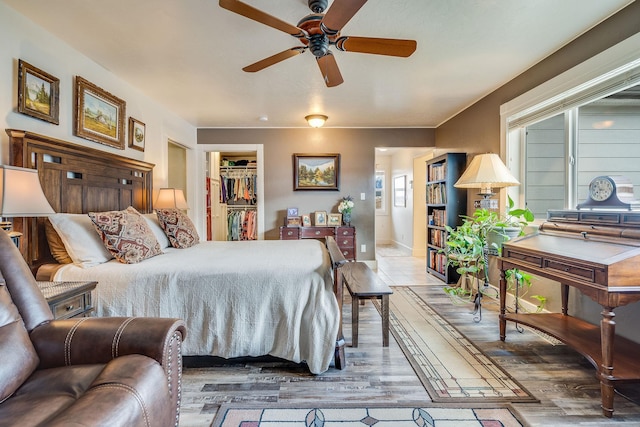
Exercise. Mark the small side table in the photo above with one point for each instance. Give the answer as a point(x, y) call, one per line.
point(68, 299)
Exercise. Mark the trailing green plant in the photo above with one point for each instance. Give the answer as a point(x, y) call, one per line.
point(463, 248)
point(516, 277)
point(488, 221)
point(459, 295)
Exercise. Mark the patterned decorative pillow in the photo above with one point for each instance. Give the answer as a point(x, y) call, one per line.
point(126, 235)
point(178, 228)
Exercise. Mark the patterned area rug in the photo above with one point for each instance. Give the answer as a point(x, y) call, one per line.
point(451, 368)
point(231, 415)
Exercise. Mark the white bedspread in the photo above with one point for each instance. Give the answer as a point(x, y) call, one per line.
point(247, 298)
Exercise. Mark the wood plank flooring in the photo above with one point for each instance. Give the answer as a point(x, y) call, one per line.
point(563, 381)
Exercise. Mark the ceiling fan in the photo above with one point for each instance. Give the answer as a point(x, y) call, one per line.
point(317, 32)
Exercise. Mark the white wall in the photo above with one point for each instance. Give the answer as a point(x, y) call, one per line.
point(383, 218)
point(402, 217)
point(22, 39)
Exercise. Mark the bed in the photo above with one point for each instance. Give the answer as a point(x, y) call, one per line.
point(247, 298)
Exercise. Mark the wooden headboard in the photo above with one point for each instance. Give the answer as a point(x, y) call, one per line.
point(76, 179)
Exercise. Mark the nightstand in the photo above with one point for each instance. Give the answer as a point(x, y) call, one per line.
point(68, 299)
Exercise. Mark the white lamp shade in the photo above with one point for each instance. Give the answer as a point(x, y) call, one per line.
point(486, 171)
point(170, 198)
point(21, 194)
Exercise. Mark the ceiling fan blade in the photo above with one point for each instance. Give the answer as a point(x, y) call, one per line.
point(340, 12)
point(260, 16)
point(391, 47)
point(274, 59)
point(329, 69)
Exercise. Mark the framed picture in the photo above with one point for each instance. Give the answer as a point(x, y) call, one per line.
point(293, 221)
point(400, 191)
point(306, 220)
point(334, 220)
point(137, 134)
point(99, 115)
point(320, 219)
point(38, 93)
point(292, 211)
point(316, 172)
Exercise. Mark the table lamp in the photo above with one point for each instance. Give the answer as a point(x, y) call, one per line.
point(21, 196)
point(170, 198)
point(486, 172)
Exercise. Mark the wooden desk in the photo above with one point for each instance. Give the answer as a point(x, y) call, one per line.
point(344, 235)
point(602, 265)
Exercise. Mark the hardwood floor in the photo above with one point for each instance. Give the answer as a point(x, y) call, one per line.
point(562, 379)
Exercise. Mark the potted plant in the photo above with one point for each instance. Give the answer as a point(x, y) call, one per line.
point(495, 228)
point(464, 250)
point(480, 234)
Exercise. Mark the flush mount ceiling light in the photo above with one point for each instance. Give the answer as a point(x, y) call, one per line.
point(316, 120)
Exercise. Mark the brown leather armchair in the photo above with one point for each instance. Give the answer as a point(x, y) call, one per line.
point(113, 371)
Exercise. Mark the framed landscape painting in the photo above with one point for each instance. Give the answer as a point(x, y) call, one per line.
point(137, 134)
point(316, 171)
point(99, 115)
point(38, 93)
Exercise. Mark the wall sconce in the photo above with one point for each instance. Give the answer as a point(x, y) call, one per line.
point(316, 120)
point(486, 172)
point(170, 198)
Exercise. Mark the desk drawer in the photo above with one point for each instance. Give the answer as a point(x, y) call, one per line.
point(344, 242)
point(531, 259)
point(317, 232)
point(289, 233)
point(574, 270)
point(348, 253)
point(345, 231)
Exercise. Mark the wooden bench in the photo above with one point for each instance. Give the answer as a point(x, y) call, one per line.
point(337, 260)
point(362, 283)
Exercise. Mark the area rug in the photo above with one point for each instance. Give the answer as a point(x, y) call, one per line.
point(231, 415)
point(451, 368)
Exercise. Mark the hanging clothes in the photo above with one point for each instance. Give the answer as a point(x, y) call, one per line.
point(242, 224)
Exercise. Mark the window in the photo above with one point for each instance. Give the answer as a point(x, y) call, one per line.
point(565, 152)
point(557, 146)
point(380, 192)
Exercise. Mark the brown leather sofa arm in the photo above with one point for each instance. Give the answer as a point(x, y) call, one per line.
point(89, 340)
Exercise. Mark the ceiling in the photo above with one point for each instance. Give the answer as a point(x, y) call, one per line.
point(189, 55)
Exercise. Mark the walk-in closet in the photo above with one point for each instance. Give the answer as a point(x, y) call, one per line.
point(232, 196)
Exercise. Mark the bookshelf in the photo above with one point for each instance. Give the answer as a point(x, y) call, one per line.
point(445, 204)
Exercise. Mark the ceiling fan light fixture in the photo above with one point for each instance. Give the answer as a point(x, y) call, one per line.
point(316, 120)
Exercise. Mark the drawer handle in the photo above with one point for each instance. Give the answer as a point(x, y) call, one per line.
point(289, 233)
point(345, 232)
point(344, 242)
point(70, 307)
point(317, 233)
point(345, 252)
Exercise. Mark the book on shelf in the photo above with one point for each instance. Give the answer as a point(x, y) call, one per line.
point(436, 193)
point(437, 172)
point(439, 216)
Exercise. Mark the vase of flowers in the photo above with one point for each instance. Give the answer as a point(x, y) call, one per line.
point(345, 207)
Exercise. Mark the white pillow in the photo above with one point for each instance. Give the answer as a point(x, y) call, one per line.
point(154, 224)
point(80, 239)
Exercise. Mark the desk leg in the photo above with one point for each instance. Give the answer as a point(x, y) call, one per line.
point(565, 298)
point(503, 302)
point(607, 334)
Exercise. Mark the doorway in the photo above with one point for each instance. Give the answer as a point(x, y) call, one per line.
point(177, 167)
point(401, 224)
